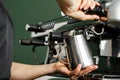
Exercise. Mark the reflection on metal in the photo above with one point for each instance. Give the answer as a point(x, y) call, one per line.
point(78, 51)
point(106, 48)
point(114, 12)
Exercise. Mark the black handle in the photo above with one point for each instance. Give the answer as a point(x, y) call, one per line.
point(32, 42)
point(98, 10)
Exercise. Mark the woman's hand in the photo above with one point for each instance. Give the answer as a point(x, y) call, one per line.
point(74, 8)
point(63, 68)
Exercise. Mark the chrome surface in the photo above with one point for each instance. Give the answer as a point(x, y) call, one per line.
point(106, 48)
point(79, 51)
point(114, 12)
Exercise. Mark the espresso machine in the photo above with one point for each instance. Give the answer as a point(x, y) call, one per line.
point(87, 42)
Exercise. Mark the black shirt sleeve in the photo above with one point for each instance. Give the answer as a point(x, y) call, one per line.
point(6, 43)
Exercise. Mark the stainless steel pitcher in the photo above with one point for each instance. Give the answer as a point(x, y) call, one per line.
point(78, 51)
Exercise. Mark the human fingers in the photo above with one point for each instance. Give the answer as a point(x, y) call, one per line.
point(97, 3)
point(83, 4)
point(80, 15)
point(89, 17)
point(94, 3)
point(79, 73)
point(88, 4)
point(75, 72)
point(84, 72)
point(103, 18)
point(88, 70)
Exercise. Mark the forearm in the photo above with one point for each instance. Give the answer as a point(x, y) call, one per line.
point(28, 72)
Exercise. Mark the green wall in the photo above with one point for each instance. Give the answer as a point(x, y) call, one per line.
point(29, 11)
